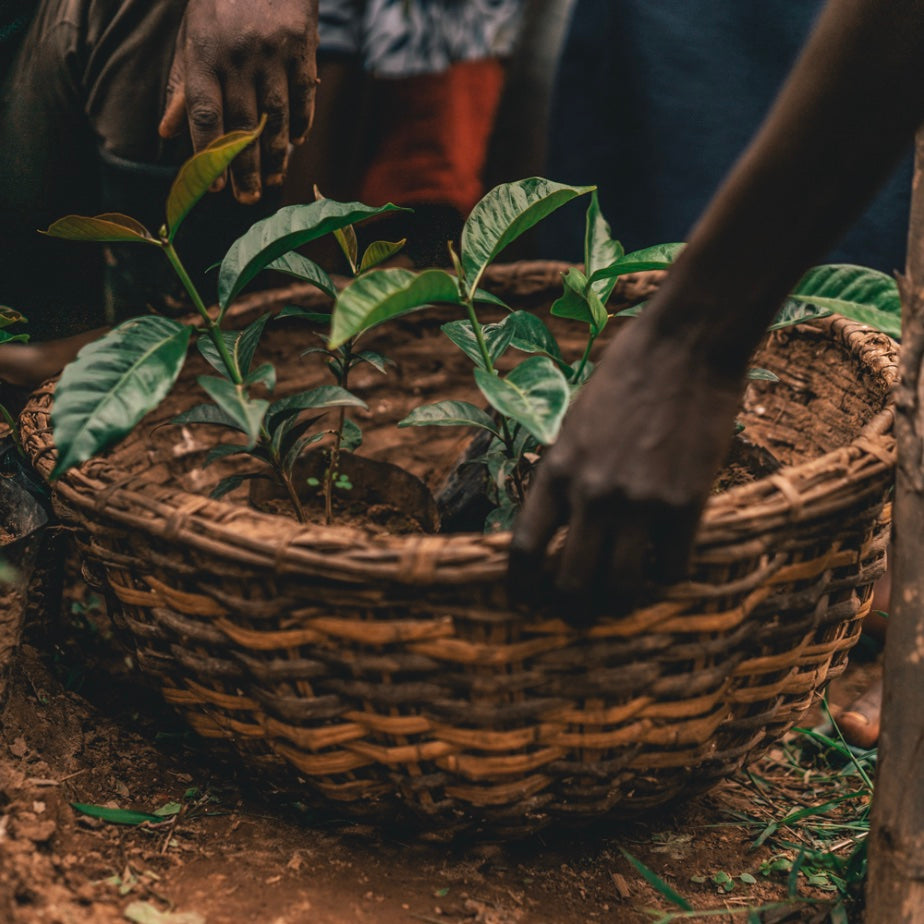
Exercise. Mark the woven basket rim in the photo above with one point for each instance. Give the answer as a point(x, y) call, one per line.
point(784, 497)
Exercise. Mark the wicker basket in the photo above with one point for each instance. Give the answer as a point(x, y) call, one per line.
point(390, 671)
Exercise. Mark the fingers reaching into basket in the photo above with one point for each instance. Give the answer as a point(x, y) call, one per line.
point(628, 476)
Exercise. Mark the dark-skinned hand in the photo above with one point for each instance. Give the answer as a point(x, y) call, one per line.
point(629, 475)
point(236, 60)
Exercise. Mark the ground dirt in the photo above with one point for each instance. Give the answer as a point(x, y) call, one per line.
point(80, 727)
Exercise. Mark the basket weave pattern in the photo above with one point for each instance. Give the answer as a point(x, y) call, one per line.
point(391, 673)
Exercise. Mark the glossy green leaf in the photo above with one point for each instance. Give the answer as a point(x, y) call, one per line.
point(858, 293)
point(496, 337)
point(10, 316)
point(378, 362)
point(530, 335)
point(379, 251)
point(245, 346)
point(198, 174)
point(113, 383)
point(381, 295)
point(756, 374)
point(535, 395)
point(450, 414)
point(600, 250)
point(322, 397)
point(210, 353)
point(228, 484)
point(294, 311)
point(580, 302)
point(656, 257)
point(795, 312)
point(110, 227)
point(503, 214)
point(299, 267)
point(116, 815)
point(488, 298)
point(208, 414)
point(346, 238)
point(298, 447)
point(264, 374)
point(248, 413)
point(7, 337)
point(290, 227)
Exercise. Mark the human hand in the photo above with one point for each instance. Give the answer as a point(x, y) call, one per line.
point(234, 62)
point(629, 475)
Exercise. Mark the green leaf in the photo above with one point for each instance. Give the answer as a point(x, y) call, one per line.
point(756, 374)
point(379, 251)
point(245, 345)
point(315, 317)
point(351, 436)
point(600, 250)
point(264, 374)
point(110, 227)
point(530, 335)
point(294, 264)
point(221, 451)
point(656, 882)
point(248, 413)
point(112, 384)
point(503, 214)
point(861, 294)
point(7, 337)
point(488, 298)
point(290, 227)
point(747, 879)
point(535, 395)
point(210, 354)
point(298, 447)
point(381, 295)
point(376, 360)
point(346, 238)
point(168, 810)
point(198, 174)
point(795, 312)
point(450, 414)
point(324, 396)
point(209, 414)
point(496, 337)
point(656, 257)
point(115, 816)
point(580, 302)
point(10, 316)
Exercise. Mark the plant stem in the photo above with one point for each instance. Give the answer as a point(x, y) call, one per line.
point(580, 369)
point(479, 336)
point(14, 430)
point(234, 374)
point(334, 461)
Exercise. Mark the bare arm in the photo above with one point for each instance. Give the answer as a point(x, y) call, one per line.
point(631, 471)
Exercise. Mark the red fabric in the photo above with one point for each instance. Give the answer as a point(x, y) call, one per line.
point(435, 132)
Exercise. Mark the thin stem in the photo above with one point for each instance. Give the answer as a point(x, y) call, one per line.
point(334, 461)
point(583, 364)
point(14, 430)
point(479, 336)
point(233, 372)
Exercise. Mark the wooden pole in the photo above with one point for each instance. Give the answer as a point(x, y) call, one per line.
point(895, 884)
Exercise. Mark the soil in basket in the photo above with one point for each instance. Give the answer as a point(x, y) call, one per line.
point(426, 368)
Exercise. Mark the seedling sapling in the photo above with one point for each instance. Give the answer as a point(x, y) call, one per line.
point(119, 378)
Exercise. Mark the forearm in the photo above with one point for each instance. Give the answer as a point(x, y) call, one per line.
point(841, 121)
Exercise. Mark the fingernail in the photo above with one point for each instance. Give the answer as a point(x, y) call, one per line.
point(275, 179)
point(248, 196)
point(218, 185)
point(300, 140)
